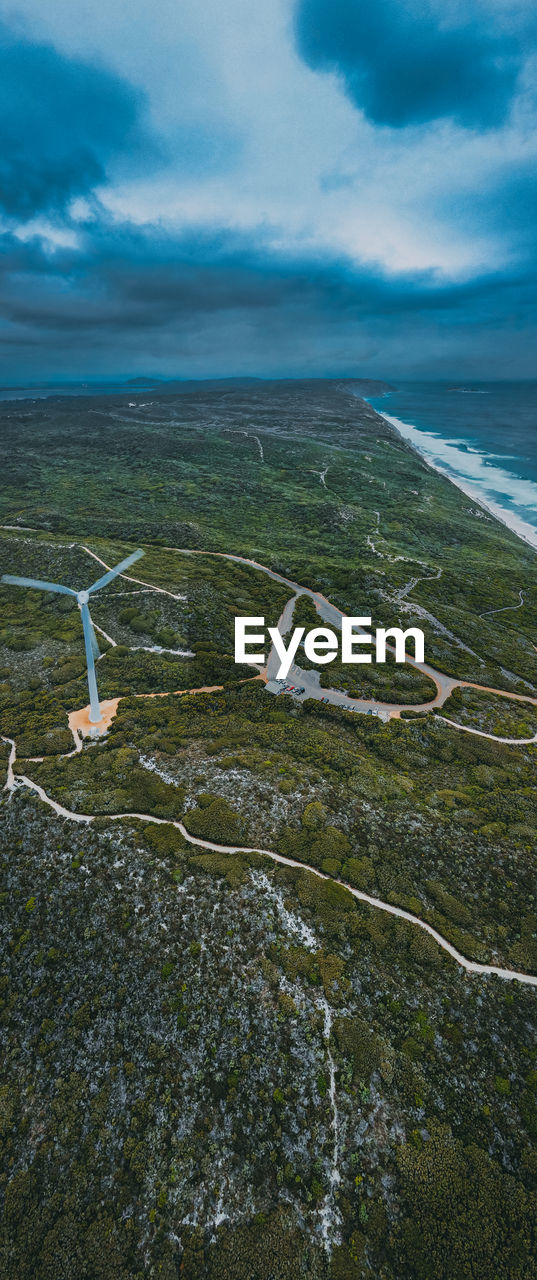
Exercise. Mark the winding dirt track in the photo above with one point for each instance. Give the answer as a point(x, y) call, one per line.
point(15, 781)
point(332, 614)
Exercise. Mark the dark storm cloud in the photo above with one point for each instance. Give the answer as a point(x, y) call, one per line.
point(62, 122)
point(203, 306)
point(128, 277)
point(402, 65)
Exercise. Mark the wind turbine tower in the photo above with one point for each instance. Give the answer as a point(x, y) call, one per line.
point(82, 598)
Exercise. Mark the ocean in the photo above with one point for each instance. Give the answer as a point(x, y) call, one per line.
point(482, 435)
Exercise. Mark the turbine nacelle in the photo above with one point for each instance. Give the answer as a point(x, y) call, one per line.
point(82, 599)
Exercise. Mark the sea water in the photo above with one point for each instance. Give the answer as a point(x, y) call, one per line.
point(483, 435)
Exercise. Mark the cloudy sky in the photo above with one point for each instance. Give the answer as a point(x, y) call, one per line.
point(299, 187)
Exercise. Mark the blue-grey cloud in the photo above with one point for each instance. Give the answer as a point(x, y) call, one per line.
point(214, 303)
point(402, 65)
point(63, 120)
point(506, 206)
point(200, 305)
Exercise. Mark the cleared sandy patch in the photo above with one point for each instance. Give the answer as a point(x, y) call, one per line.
point(80, 722)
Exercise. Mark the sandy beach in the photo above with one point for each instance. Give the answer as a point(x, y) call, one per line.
point(419, 440)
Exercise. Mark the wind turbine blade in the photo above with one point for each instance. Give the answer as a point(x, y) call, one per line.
point(89, 635)
point(112, 573)
point(35, 582)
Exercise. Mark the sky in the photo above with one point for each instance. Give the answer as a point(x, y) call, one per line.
point(301, 188)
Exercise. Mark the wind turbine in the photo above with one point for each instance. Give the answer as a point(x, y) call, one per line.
point(82, 599)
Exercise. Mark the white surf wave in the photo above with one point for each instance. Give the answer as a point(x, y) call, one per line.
point(509, 497)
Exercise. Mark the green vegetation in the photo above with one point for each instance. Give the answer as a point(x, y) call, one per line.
point(411, 812)
point(188, 1031)
point(491, 714)
point(150, 1046)
point(181, 473)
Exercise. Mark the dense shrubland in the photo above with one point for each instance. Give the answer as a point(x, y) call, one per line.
point(162, 1011)
point(172, 1016)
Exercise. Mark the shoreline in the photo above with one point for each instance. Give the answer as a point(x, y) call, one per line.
point(521, 528)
